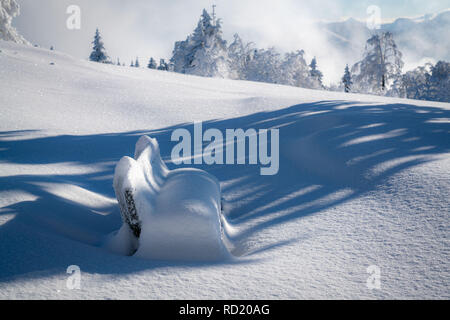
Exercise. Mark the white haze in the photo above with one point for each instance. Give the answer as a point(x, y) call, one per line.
point(144, 28)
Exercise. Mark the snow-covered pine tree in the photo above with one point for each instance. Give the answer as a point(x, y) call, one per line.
point(264, 65)
point(163, 66)
point(8, 10)
point(152, 64)
point(170, 66)
point(240, 54)
point(137, 64)
point(381, 66)
point(439, 83)
point(294, 70)
point(203, 53)
point(179, 55)
point(428, 82)
point(347, 80)
point(416, 82)
point(132, 64)
point(316, 75)
point(98, 51)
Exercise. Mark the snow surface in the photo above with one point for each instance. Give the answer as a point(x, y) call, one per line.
point(363, 181)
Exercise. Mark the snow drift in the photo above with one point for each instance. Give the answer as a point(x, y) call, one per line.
point(364, 180)
point(166, 214)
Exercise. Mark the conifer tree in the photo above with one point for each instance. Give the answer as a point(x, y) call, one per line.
point(98, 53)
point(204, 52)
point(347, 80)
point(163, 66)
point(316, 75)
point(152, 64)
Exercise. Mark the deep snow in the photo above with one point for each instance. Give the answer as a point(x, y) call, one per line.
point(363, 181)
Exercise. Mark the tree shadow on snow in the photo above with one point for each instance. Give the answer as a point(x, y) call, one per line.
point(330, 152)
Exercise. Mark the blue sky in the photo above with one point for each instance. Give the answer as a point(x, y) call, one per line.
point(390, 9)
point(147, 28)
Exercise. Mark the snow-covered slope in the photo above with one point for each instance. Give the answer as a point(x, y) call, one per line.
point(363, 181)
point(167, 215)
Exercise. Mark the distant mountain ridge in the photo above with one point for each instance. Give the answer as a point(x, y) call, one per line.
point(417, 38)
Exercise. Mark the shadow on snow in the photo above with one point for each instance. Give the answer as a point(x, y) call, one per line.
point(325, 148)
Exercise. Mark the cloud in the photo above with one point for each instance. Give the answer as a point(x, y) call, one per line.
point(288, 26)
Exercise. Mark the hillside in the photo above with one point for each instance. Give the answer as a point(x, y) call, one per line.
point(363, 181)
point(418, 38)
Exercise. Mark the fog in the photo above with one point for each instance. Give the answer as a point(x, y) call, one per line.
point(144, 28)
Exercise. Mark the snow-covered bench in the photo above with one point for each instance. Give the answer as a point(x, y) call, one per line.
point(167, 214)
